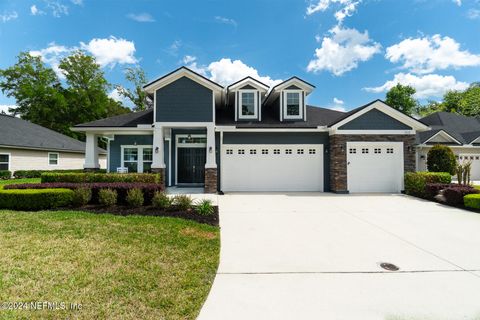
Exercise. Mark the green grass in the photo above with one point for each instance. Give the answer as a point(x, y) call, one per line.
point(26, 180)
point(132, 267)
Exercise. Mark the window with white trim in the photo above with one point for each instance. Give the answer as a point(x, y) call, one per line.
point(248, 104)
point(4, 161)
point(130, 159)
point(53, 158)
point(293, 104)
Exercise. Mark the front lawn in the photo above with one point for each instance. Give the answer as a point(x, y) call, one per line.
point(26, 180)
point(116, 267)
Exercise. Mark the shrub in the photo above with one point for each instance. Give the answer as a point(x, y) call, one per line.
point(472, 201)
point(19, 174)
point(5, 174)
point(454, 194)
point(433, 189)
point(416, 182)
point(441, 159)
point(107, 197)
point(82, 196)
point(182, 202)
point(204, 207)
point(121, 188)
point(105, 177)
point(135, 197)
point(161, 200)
point(35, 199)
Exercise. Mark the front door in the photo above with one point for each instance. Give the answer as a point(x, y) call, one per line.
point(191, 165)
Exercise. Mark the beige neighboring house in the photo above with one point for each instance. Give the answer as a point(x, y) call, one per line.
point(27, 146)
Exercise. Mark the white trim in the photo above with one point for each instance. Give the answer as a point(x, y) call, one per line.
point(182, 72)
point(235, 129)
point(108, 155)
point(58, 159)
point(44, 149)
point(255, 104)
point(249, 81)
point(381, 106)
point(169, 158)
point(296, 82)
point(467, 146)
point(191, 145)
point(9, 163)
point(139, 148)
point(184, 125)
point(393, 132)
point(443, 132)
point(300, 105)
point(112, 130)
point(476, 140)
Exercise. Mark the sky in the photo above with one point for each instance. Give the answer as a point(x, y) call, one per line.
point(353, 51)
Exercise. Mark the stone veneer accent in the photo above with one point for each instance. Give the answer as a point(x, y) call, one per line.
point(210, 180)
point(338, 155)
point(161, 171)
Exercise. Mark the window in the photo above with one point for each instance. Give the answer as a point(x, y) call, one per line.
point(192, 140)
point(377, 150)
point(229, 151)
point(130, 159)
point(389, 150)
point(311, 151)
point(137, 158)
point(299, 151)
point(147, 159)
point(4, 161)
point(248, 106)
point(288, 151)
point(241, 151)
point(264, 151)
point(364, 150)
point(293, 104)
point(52, 158)
point(253, 151)
point(352, 150)
point(276, 151)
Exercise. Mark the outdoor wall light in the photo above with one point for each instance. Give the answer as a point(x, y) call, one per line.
point(210, 149)
point(156, 149)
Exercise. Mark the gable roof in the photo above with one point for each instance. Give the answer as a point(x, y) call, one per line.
point(462, 128)
point(18, 133)
point(247, 80)
point(132, 119)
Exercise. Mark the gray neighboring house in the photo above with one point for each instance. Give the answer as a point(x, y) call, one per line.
point(27, 146)
point(460, 133)
point(248, 136)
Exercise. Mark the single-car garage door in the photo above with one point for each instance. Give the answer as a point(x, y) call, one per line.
point(375, 166)
point(272, 167)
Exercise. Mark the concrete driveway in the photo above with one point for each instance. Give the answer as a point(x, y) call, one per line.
point(317, 256)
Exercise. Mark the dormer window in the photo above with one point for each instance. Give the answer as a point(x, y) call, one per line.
point(248, 104)
point(293, 102)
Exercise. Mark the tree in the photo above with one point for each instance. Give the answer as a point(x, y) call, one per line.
point(401, 98)
point(137, 96)
point(441, 159)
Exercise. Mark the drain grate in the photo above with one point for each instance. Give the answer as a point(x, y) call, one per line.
point(389, 266)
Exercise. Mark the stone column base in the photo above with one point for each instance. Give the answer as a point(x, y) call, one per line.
point(160, 171)
point(210, 180)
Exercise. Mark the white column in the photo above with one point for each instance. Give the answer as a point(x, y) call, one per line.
point(158, 148)
point(211, 159)
point(91, 152)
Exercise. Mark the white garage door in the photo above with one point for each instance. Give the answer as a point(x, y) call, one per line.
point(375, 166)
point(272, 168)
point(474, 159)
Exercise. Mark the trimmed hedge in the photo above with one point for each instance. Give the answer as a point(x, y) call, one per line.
point(454, 194)
point(472, 201)
point(121, 188)
point(416, 182)
point(20, 174)
point(102, 177)
point(5, 174)
point(34, 200)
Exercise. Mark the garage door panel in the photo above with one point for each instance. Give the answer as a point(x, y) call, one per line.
point(272, 168)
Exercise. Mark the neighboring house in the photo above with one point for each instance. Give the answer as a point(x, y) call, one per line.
point(249, 137)
point(27, 146)
point(460, 133)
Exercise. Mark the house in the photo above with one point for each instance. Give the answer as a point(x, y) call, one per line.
point(460, 133)
point(27, 146)
point(250, 137)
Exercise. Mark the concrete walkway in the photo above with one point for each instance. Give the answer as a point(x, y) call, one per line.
point(317, 256)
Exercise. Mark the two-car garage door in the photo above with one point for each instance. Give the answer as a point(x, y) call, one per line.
point(272, 167)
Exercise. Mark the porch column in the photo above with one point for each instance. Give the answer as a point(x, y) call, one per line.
point(158, 161)
point(211, 164)
point(91, 152)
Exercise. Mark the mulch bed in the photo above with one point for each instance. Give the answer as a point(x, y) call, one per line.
point(151, 211)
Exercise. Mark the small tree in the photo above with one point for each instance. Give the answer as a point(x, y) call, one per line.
point(441, 159)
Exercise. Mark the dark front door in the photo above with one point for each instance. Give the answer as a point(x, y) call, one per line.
point(191, 165)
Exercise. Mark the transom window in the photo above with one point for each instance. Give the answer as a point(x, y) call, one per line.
point(4, 161)
point(53, 158)
point(192, 140)
point(293, 104)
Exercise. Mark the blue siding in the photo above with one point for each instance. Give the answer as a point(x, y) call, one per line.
point(184, 100)
point(116, 150)
point(295, 138)
point(375, 120)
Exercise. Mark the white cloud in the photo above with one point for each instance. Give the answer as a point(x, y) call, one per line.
point(77, 2)
point(35, 11)
point(4, 108)
point(338, 105)
point(338, 101)
point(347, 7)
point(174, 47)
point(225, 71)
point(224, 20)
point(52, 56)
point(141, 17)
point(110, 51)
point(431, 85)
point(342, 51)
point(337, 108)
point(58, 9)
point(7, 16)
point(458, 2)
point(115, 95)
point(427, 54)
point(473, 14)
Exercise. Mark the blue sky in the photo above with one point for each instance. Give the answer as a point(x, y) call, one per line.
point(351, 50)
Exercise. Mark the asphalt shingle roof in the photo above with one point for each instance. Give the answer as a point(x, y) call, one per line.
point(16, 132)
point(462, 128)
point(124, 120)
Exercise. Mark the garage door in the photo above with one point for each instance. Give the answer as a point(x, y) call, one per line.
point(474, 159)
point(375, 166)
point(272, 168)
